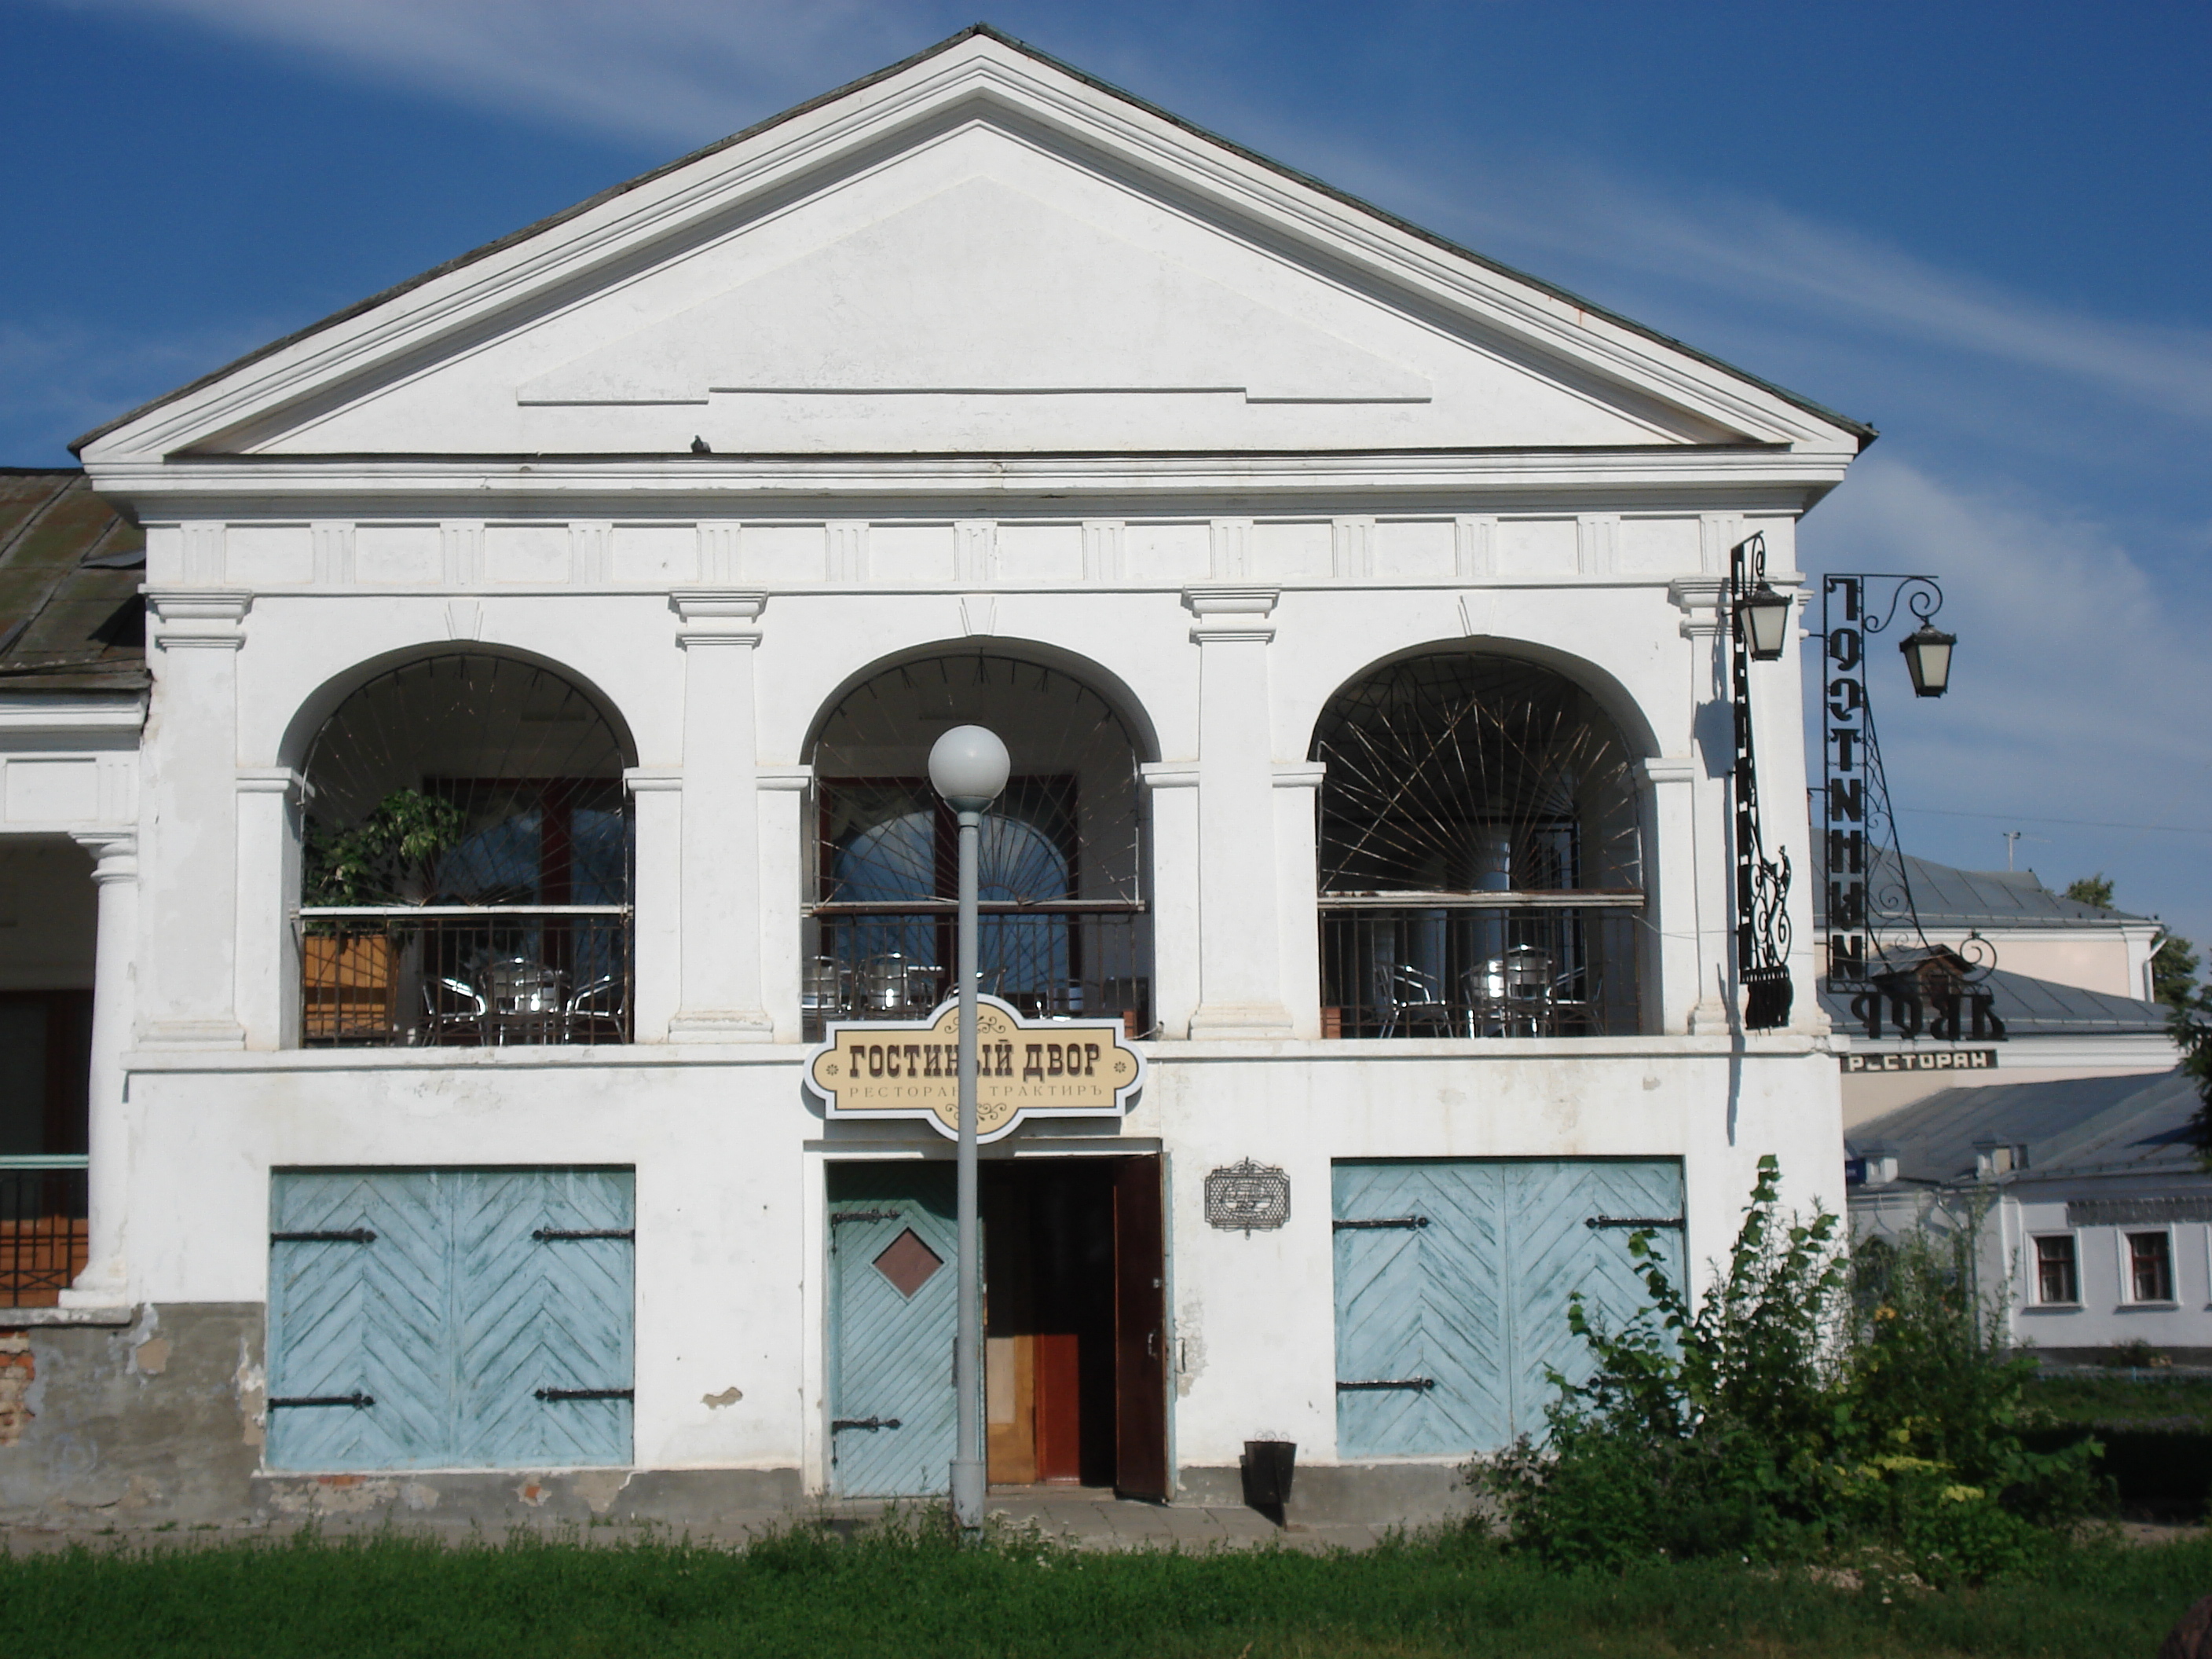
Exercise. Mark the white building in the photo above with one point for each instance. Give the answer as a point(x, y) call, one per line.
point(1347, 603)
point(2090, 1214)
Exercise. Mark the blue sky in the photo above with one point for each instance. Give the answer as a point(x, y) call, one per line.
point(1984, 228)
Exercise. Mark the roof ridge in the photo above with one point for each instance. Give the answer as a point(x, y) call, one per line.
point(1865, 433)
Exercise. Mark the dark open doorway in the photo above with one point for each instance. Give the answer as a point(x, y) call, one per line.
point(1075, 1323)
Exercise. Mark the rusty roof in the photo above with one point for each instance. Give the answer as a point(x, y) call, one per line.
point(70, 616)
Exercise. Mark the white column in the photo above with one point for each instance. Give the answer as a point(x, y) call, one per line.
point(1711, 1011)
point(192, 865)
point(783, 866)
point(1297, 887)
point(104, 1281)
point(1172, 787)
point(269, 802)
point(722, 958)
point(656, 901)
point(1669, 962)
point(1239, 945)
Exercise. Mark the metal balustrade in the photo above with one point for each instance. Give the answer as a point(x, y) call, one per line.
point(43, 1234)
point(1480, 966)
point(474, 975)
point(870, 962)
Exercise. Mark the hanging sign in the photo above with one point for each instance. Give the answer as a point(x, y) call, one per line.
point(1024, 1068)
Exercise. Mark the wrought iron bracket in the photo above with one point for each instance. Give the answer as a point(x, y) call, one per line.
point(1762, 883)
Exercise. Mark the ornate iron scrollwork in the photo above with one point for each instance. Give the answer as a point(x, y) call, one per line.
point(1762, 883)
point(1879, 954)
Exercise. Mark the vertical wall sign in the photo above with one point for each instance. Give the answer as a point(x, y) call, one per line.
point(1878, 954)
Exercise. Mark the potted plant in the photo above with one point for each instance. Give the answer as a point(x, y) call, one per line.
point(389, 857)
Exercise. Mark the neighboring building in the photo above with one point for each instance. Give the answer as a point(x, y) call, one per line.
point(545, 657)
point(2092, 1212)
point(2070, 991)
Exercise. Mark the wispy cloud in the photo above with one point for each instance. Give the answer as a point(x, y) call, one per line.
point(683, 71)
point(60, 378)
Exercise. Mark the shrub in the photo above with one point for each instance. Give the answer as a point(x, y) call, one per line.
point(1797, 1405)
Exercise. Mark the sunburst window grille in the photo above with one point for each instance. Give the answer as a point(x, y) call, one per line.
point(465, 861)
point(1480, 858)
point(1065, 928)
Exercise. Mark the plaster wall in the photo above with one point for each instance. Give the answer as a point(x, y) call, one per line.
point(731, 1232)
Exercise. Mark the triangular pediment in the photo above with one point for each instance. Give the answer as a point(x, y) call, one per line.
point(976, 252)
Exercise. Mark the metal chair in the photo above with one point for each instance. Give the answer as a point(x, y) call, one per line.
point(529, 1001)
point(452, 1006)
point(894, 987)
point(1511, 995)
point(595, 1014)
point(1404, 995)
point(826, 989)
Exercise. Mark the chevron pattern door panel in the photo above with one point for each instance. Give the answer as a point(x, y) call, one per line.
point(543, 1298)
point(414, 1314)
point(893, 1314)
point(1419, 1322)
point(1553, 1250)
point(1452, 1280)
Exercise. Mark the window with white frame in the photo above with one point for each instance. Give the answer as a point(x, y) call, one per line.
point(2058, 1275)
point(2150, 1266)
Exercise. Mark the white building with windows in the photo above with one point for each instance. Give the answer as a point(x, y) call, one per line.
point(543, 658)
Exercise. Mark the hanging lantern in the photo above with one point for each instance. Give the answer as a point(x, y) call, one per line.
point(1762, 617)
point(1928, 659)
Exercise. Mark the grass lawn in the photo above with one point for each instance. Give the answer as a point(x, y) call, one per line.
point(807, 1594)
point(2085, 1397)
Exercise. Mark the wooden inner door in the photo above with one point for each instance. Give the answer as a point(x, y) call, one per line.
point(1048, 1321)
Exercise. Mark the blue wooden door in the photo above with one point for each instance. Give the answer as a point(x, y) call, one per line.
point(893, 1314)
point(450, 1318)
point(544, 1297)
point(1452, 1280)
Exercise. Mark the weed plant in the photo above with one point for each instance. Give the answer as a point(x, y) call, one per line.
point(1798, 1410)
point(909, 1590)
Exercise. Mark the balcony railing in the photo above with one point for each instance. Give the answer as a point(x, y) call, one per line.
point(43, 1237)
point(1479, 965)
point(893, 962)
point(475, 975)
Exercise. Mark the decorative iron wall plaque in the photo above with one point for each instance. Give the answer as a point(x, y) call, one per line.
point(1247, 1197)
point(1024, 1068)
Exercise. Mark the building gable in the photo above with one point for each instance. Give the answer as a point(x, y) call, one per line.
point(977, 251)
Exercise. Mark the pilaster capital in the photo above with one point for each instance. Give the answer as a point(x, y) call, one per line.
point(1699, 599)
point(114, 852)
point(275, 781)
point(1169, 775)
point(712, 615)
point(1223, 613)
point(1669, 768)
point(1300, 774)
point(783, 779)
point(653, 780)
point(205, 618)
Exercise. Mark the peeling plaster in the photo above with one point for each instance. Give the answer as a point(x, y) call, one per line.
point(729, 1396)
point(600, 1487)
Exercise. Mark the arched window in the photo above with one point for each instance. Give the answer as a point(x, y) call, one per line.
point(466, 862)
point(1481, 865)
point(1064, 927)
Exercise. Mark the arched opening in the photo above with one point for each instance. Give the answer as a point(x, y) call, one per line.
point(1481, 859)
point(465, 861)
point(1065, 929)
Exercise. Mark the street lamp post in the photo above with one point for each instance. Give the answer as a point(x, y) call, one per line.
point(967, 767)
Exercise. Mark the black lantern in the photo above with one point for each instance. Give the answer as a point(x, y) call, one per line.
point(1928, 659)
point(1762, 618)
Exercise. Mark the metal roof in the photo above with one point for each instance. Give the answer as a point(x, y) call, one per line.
point(1865, 434)
point(2039, 1007)
point(70, 616)
point(1945, 897)
point(2080, 1126)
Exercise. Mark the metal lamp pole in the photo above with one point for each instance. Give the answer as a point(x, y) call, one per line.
point(967, 767)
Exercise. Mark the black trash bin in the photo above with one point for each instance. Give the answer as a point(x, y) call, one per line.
point(1267, 1467)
